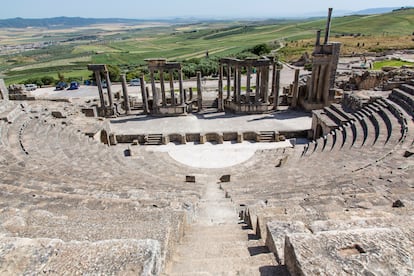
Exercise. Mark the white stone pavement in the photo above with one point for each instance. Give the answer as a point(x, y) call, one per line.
point(213, 156)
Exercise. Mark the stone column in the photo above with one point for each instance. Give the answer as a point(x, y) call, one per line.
point(154, 92)
point(265, 85)
point(277, 87)
point(199, 92)
point(190, 92)
point(228, 81)
point(100, 90)
point(248, 84)
point(172, 88)
point(258, 76)
point(235, 83)
point(220, 88)
point(295, 89)
point(125, 93)
point(144, 95)
point(164, 100)
point(180, 81)
point(108, 88)
point(238, 85)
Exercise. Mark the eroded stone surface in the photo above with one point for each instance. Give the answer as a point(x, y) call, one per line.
point(277, 230)
point(376, 251)
point(51, 256)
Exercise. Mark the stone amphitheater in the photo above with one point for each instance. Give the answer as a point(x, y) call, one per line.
point(340, 204)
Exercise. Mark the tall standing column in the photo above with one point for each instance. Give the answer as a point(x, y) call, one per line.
point(125, 92)
point(164, 100)
point(100, 90)
point(228, 81)
point(180, 81)
point(154, 92)
point(248, 74)
point(277, 88)
point(265, 85)
point(238, 85)
point(109, 89)
point(235, 83)
point(171, 75)
point(144, 95)
point(295, 89)
point(199, 92)
point(220, 89)
point(258, 76)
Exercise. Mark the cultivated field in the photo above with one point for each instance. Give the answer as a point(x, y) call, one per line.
point(127, 46)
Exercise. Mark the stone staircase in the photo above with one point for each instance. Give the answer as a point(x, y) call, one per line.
point(154, 139)
point(219, 243)
point(266, 136)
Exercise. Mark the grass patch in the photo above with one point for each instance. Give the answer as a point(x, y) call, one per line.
point(395, 63)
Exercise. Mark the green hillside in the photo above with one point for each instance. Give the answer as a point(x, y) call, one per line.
point(127, 46)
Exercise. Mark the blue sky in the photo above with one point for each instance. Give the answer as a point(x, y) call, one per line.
point(184, 8)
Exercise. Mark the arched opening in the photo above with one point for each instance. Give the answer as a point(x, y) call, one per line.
point(104, 137)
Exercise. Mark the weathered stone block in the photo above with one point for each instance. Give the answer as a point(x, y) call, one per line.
point(375, 251)
point(276, 232)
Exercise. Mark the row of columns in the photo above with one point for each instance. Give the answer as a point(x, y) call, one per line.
point(160, 98)
point(234, 67)
point(99, 69)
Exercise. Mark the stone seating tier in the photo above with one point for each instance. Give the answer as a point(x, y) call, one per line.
point(53, 179)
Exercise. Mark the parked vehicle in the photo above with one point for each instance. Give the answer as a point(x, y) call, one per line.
point(61, 85)
point(73, 85)
point(135, 82)
point(31, 87)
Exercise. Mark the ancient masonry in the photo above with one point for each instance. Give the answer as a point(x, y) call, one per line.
point(250, 101)
point(340, 204)
point(319, 92)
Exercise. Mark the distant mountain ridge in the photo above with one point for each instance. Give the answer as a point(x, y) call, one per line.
point(63, 22)
point(67, 22)
point(375, 11)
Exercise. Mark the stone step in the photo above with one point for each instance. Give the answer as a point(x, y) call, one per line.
point(212, 250)
point(266, 136)
point(225, 264)
point(409, 88)
point(154, 139)
point(270, 270)
point(336, 115)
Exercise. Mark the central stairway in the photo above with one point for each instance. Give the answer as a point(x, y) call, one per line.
point(218, 243)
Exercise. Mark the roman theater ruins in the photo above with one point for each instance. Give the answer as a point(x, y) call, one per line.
point(262, 171)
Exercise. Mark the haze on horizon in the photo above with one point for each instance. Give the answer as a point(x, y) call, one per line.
point(139, 9)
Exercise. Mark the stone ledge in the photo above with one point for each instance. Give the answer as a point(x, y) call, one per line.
point(53, 256)
point(375, 251)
